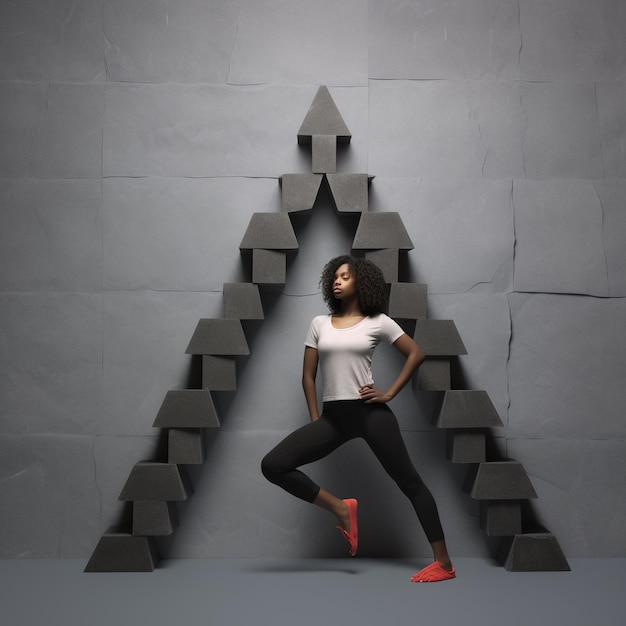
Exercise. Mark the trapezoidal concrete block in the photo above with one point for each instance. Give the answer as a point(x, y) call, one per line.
point(500, 518)
point(187, 408)
point(408, 301)
point(269, 231)
point(154, 519)
point(439, 338)
point(299, 191)
point(218, 337)
point(381, 230)
point(269, 267)
point(349, 192)
point(219, 373)
point(433, 375)
point(466, 408)
point(324, 154)
point(499, 480)
point(388, 262)
point(151, 481)
point(120, 551)
point(186, 446)
point(466, 446)
point(242, 301)
point(532, 552)
point(323, 118)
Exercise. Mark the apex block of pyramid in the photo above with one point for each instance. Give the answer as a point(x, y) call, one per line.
point(323, 118)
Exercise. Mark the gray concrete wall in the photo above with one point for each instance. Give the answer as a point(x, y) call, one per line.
point(136, 140)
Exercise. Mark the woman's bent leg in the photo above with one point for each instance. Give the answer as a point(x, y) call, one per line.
point(309, 443)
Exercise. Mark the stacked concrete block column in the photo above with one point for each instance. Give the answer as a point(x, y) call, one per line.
point(154, 487)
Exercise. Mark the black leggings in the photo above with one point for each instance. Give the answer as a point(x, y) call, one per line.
point(341, 421)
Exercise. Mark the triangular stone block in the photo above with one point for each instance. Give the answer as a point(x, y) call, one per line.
point(532, 552)
point(154, 519)
point(323, 118)
point(499, 480)
point(466, 446)
point(501, 518)
point(219, 373)
point(269, 267)
point(408, 301)
point(120, 551)
point(187, 408)
point(152, 481)
point(388, 261)
point(218, 336)
point(186, 446)
point(323, 154)
point(381, 230)
point(433, 375)
point(242, 301)
point(438, 338)
point(349, 192)
point(466, 408)
point(269, 231)
point(299, 191)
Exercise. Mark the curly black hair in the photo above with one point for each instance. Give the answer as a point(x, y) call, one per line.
point(370, 283)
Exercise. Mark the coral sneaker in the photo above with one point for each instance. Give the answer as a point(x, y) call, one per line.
point(352, 536)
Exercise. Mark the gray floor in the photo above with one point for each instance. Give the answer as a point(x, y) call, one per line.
point(303, 592)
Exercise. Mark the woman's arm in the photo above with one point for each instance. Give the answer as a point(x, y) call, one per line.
point(309, 372)
point(414, 356)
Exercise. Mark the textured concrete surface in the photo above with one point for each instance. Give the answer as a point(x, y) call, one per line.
point(136, 141)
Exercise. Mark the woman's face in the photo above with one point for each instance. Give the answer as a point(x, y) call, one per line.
point(344, 283)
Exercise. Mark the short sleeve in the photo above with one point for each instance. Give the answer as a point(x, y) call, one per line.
point(390, 330)
point(313, 334)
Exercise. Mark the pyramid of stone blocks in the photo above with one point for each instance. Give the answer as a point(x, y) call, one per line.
point(153, 488)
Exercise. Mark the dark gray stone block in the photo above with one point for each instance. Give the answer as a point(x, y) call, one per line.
point(242, 301)
point(500, 518)
point(466, 446)
point(324, 154)
point(499, 480)
point(186, 446)
point(387, 261)
point(154, 519)
point(218, 337)
point(349, 192)
point(433, 375)
point(408, 301)
point(439, 338)
point(381, 230)
point(219, 373)
point(323, 118)
point(269, 267)
point(269, 231)
point(187, 408)
point(120, 551)
point(299, 191)
point(466, 408)
point(151, 481)
point(532, 552)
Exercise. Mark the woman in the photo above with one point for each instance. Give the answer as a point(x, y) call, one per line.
point(342, 344)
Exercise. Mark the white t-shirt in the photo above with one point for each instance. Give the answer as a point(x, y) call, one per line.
point(345, 354)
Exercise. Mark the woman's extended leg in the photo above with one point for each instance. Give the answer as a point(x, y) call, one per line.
point(382, 433)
